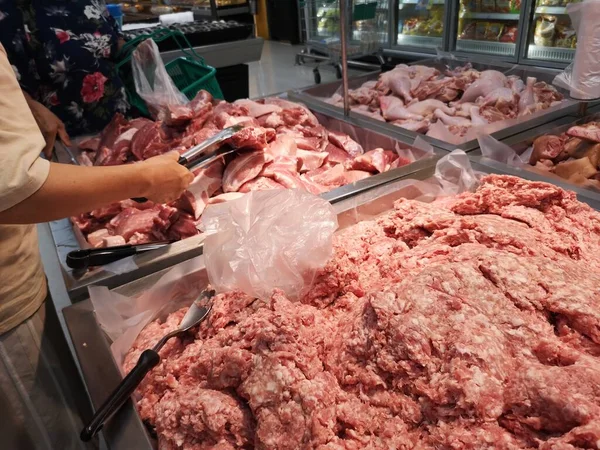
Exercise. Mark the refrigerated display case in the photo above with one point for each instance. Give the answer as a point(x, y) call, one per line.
point(551, 38)
point(488, 27)
point(420, 26)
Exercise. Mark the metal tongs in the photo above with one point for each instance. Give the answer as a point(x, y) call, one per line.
point(210, 147)
point(83, 259)
point(149, 359)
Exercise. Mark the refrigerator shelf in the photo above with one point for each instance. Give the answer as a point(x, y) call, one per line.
point(551, 53)
point(490, 16)
point(416, 2)
point(420, 41)
point(555, 10)
point(489, 47)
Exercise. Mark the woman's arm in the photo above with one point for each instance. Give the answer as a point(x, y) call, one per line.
point(71, 190)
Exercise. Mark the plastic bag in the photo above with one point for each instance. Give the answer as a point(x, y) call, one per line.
point(582, 77)
point(497, 151)
point(152, 82)
point(266, 240)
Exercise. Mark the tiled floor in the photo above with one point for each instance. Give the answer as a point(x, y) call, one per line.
point(277, 70)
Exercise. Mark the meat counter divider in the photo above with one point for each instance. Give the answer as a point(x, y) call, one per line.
point(314, 97)
point(92, 349)
point(67, 237)
point(522, 141)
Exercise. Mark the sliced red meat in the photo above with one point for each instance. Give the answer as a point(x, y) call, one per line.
point(260, 184)
point(283, 145)
point(106, 212)
point(202, 98)
point(206, 183)
point(281, 163)
point(166, 217)
point(336, 154)
point(242, 169)
point(257, 109)
point(373, 161)
point(184, 227)
point(346, 143)
point(310, 160)
point(89, 144)
point(252, 138)
point(133, 220)
point(97, 237)
point(112, 131)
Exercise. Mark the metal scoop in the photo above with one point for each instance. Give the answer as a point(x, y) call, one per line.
point(148, 360)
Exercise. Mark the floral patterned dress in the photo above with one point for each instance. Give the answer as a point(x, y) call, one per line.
point(62, 53)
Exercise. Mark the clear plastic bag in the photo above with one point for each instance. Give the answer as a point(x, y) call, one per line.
point(582, 77)
point(152, 82)
point(500, 152)
point(267, 240)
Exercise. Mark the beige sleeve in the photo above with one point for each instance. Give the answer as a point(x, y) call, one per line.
point(22, 170)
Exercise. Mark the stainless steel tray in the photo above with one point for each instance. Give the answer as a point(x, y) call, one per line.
point(522, 141)
point(100, 372)
point(68, 238)
point(315, 96)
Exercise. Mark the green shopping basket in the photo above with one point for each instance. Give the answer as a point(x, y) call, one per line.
point(189, 73)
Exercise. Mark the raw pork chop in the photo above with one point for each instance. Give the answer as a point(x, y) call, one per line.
point(242, 169)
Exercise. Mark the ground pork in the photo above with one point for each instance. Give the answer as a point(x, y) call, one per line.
point(472, 323)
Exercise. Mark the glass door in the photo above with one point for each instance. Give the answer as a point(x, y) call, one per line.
point(489, 27)
point(421, 25)
point(552, 39)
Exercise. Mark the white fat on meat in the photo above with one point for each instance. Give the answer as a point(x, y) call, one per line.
point(244, 168)
point(256, 109)
point(260, 184)
point(345, 142)
point(222, 198)
point(372, 161)
point(283, 145)
point(207, 182)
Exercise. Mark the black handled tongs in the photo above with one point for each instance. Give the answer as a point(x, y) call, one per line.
point(82, 259)
point(210, 145)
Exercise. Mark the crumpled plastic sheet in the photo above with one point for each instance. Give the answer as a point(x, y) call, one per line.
point(582, 76)
point(152, 82)
point(266, 240)
point(500, 152)
point(122, 318)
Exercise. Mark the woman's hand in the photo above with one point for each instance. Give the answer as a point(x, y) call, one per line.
point(164, 177)
point(49, 124)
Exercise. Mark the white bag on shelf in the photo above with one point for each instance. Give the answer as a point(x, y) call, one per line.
point(582, 77)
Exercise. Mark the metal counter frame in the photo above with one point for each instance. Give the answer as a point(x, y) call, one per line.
point(315, 97)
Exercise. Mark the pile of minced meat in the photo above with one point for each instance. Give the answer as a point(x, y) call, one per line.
point(472, 323)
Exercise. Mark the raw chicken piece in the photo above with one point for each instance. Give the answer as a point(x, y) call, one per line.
point(476, 118)
point(489, 81)
point(591, 132)
point(242, 169)
point(365, 111)
point(392, 109)
point(504, 99)
point(418, 126)
point(400, 85)
point(546, 95)
point(516, 84)
point(491, 114)
point(462, 109)
point(372, 161)
point(440, 131)
point(527, 100)
point(362, 95)
point(256, 109)
point(427, 107)
point(310, 160)
point(448, 120)
point(345, 142)
point(260, 184)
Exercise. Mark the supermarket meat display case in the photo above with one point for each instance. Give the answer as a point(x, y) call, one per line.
point(67, 238)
